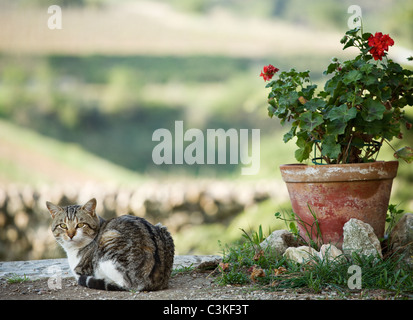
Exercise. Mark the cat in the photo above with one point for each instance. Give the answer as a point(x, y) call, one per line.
point(123, 253)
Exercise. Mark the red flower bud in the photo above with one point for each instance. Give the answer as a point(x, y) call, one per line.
point(268, 72)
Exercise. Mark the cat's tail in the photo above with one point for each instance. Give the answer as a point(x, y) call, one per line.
point(100, 284)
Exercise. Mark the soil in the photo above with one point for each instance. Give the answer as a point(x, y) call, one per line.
point(190, 285)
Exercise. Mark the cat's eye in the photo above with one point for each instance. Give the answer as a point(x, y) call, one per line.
point(63, 225)
point(80, 225)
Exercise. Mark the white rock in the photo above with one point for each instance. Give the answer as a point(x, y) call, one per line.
point(359, 237)
point(279, 241)
point(331, 253)
point(301, 254)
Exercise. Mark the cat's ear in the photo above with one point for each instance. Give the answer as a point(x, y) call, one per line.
point(53, 209)
point(90, 207)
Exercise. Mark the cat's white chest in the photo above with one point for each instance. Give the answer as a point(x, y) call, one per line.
point(73, 259)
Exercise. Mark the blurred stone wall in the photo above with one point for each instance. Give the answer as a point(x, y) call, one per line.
point(25, 221)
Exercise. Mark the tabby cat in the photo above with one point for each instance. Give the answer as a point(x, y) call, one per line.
point(122, 253)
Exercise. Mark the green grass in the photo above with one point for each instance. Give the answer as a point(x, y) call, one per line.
point(15, 278)
point(389, 274)
point(182, 270)
point(63, 154)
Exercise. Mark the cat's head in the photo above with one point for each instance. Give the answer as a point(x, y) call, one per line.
point(74, 226)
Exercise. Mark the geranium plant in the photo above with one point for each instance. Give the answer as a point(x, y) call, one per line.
point(360, 108)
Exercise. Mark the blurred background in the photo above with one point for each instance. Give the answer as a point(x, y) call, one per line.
point(79, 105)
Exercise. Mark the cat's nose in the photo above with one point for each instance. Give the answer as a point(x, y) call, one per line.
point(71, 233)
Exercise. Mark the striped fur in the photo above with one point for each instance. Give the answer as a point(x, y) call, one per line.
point(123, 253)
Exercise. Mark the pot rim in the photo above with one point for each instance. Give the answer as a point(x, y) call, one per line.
point(379, 170)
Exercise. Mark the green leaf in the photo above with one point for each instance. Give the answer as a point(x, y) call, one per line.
point(271, 111)
point(331, 68)
point(302, 154)
point(309, 91)
point(369, 80)
point(385, 127)
point(350, 43)
point(405, 153)
point(289, 99)
point(352, 76)
point(304, 145)
point(342, 113)
point(333, 85)
point(394, 67)
point(310, 120)
point(315, 104)
point(336, 127)
point(366, 35)
point(352, 32)
point(366, 68)
point(330, 147)
point(290, 134)
point(386, 93)
point(293, 228)
point(372, 110)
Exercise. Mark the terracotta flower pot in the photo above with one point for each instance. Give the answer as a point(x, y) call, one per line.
point(337, 193)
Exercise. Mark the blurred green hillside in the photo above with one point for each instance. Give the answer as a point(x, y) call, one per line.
point(86, 99)
point(111, 104)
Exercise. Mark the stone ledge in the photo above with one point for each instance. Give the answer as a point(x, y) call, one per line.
point(37, 269)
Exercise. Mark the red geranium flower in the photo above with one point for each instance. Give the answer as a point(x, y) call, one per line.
point(379, 43)
point(268, 72)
